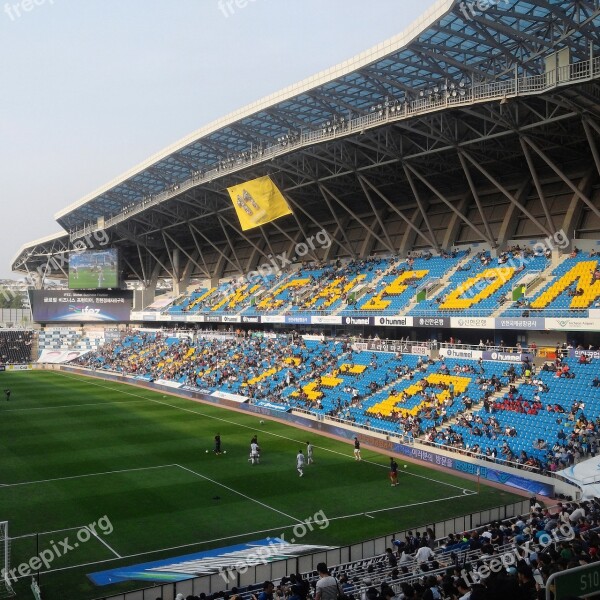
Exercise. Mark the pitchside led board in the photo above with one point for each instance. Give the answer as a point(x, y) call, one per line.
point(94, 269)
point(258, 202)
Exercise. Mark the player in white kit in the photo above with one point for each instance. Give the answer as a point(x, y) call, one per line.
point(254, 453)
point(300, 462)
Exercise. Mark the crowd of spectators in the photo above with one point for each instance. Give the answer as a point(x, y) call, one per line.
point(512, 558)
point(15, 346)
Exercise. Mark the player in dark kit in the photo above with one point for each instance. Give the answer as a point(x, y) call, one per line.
point(356, 449)
point(217, 444)
point(7, 392)
point(393, 472)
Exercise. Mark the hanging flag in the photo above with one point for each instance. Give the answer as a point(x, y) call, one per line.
point(258, 202)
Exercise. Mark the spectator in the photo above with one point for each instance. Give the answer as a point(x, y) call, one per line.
point(327, 587)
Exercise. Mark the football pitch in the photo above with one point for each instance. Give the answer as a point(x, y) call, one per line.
point(87, 278)
point(124, 474)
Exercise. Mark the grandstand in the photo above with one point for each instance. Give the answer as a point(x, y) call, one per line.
point(488, 408)
point(15, 346)
point(434, 290)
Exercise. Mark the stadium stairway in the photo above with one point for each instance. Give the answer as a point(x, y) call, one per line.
point(443, 284)
point(263, 292)
point(35, 347)
point(556, 298)
point(374, 282)
point(475, 408)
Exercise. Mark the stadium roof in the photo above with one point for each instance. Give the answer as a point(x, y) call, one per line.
point(471, 127)
point(454, 44)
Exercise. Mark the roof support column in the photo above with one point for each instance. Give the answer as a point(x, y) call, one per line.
point(575, 210)
point(509, 225)
point(592, 142)
point(340, 228)
point(357, 218)
point(431, 241)
point(314, 221)
point(453, 228)
point(538, 186)
point(449, 204)
point(510, 196)
point(375, 212)
point(560, 173)
point(420, 204)
point(475, 195)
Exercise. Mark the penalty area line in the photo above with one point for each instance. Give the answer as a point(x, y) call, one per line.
point(94, 534)
point(20, 483)
point(169, 549)
point(379, 510)
point(63, 406)
point(240, 493)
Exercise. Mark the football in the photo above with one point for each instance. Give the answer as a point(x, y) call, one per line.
point(224, 451)
point(405, 466)
point(207, 452)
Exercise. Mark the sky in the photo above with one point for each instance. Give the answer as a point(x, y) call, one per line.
point(90, 88)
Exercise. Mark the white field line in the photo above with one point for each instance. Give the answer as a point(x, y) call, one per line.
point(201, 414)
point(7, 485)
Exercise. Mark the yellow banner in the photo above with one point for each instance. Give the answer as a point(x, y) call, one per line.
point(258, 202)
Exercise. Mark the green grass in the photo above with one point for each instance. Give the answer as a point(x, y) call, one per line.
point(83, 449)
point(88, 279)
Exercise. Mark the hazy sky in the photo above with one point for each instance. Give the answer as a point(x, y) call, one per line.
point(89, 88)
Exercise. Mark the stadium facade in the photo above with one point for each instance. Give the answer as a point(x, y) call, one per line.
point(478, 127)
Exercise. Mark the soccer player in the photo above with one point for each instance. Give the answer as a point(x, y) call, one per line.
point(357, 449)
point(7, 392)
point(217, 444)
point(300, 463)
point(100, 276)
point(309, 453)
point(393, 472)
point(254, 452)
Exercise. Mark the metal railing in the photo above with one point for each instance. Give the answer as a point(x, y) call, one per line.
point(399, 436)
point(486, 347)
point(531, 85)
point(482, 456)
point(367, 549)
point(508, 313)
point(532, 313)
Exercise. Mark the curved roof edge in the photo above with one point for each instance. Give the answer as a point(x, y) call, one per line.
point(43, 240)
point(438, 10)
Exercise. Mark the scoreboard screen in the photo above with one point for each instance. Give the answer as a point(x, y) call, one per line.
point(94, 270)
